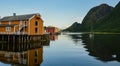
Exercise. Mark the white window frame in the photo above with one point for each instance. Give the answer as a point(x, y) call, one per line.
point(20, 22)
point(8, 29)
point(9, 22)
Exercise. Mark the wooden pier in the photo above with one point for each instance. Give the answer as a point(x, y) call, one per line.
point(24, 38)
point(17, 43)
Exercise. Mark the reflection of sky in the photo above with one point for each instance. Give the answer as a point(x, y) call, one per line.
point(64, 52)
point(1, 64)
point(61, 51)
point(61, 13)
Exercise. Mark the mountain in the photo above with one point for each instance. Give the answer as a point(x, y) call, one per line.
point(102, 18)
point(94, 15)
point(75, 27)
point(110, 23)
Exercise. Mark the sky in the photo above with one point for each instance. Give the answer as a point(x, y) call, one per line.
point(59, 13)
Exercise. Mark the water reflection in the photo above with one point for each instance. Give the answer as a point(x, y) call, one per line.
point(53, 37)
point(103, 47)
point(76, 38)
point(18, 53)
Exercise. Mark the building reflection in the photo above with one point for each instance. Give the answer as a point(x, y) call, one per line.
point(103, 47)
point(53, 37)
point(18, 53)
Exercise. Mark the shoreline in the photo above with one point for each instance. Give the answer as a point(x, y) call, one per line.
point(91, 32)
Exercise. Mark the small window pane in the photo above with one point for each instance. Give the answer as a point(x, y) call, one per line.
point(36, 23)
point(8, 28)
point(36, 30)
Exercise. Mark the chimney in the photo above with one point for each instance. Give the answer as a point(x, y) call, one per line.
point(14, 14)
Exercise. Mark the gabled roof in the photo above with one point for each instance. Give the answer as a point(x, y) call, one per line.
point(18, 17)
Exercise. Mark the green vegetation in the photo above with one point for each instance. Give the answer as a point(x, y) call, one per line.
point(94, 15)
point(75, 27)
point(110, 23)
point(100, 19)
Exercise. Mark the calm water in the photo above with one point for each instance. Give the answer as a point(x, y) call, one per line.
point(66, 50)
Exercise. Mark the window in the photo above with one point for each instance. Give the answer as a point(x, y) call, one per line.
point(20, 22)
point(36, 56)
point(36, 60)
point(36, 53)
point(9, 22)
point(8, 28)
point(25, 23)
point(36, 30)
point(36, 23)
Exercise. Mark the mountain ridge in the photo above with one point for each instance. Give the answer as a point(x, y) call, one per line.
point(109, 23)
point(94, 14)
point(74, 27)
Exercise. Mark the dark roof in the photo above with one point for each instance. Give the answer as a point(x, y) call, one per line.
point(17, 17)
point(3, 25)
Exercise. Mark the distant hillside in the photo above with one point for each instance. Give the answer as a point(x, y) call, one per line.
point(102, 18)
point(94, 15)
point(75, 27)
point(111, 22)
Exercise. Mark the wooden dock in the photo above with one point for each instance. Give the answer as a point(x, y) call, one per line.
point(17, 43)
point(23, 38)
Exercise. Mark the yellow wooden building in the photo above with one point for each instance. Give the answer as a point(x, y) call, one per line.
point(29, 24)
